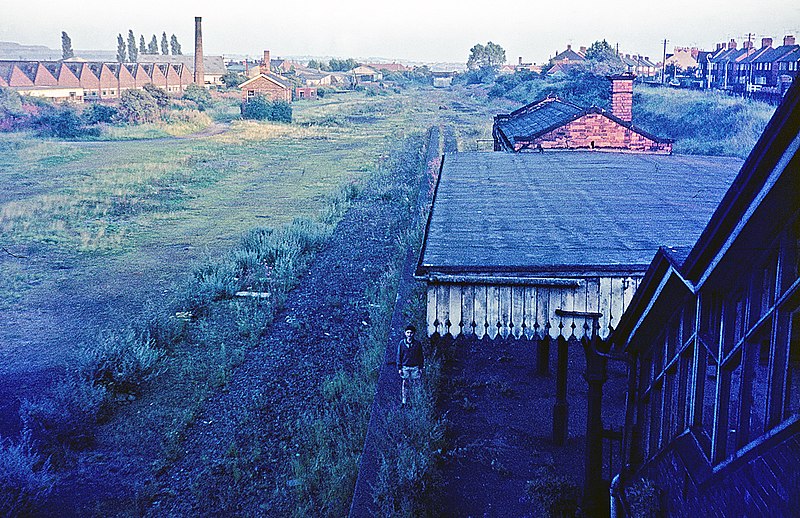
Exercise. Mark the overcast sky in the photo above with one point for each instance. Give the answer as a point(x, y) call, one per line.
point(416, 30)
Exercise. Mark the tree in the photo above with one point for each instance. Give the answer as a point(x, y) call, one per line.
point(142, 46)
point(342, 65)
point(66, 46)
point(133, 54)
point(164, 44)
point(121, 52)
point(233, 79)
point(600, 51)
point(603, 59)
point(152, 47)
point(490, 55)
point(137, 106)
point(161, 97)
point(199, 95)
point(175, 46)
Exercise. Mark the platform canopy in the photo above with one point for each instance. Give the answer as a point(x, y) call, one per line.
point(567, 212)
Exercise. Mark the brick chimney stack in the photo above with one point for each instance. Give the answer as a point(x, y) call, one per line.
point(199, 73)
point(732, 44)
point(622, 96)
point(788, 40)
point(266, 63)
point(520, 60)
point(766, 42)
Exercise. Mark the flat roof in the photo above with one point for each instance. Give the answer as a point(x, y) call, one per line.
point(568, 211)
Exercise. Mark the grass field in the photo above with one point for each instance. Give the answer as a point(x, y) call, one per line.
point(100, 234)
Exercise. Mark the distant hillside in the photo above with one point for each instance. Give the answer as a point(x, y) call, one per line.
point(16, 51)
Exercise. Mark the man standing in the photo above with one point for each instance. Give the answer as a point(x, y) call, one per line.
point(410, 360)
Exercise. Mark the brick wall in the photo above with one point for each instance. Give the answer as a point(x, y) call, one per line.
point(763, 482)
point(596, 131)
point(268, 89)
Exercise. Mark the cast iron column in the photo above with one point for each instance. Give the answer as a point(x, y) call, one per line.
point(561, 407)
point(595, 497)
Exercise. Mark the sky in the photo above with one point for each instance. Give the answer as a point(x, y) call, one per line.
point(408, 30)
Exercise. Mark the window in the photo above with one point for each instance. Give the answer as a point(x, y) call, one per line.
point(727, 439)
point(756, 382)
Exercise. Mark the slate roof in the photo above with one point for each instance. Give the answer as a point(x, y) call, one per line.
point(545, 115)
point(212, 65)
point(567, 212)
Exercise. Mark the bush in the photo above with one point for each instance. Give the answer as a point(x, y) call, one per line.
point(67, 418)
point(122, 362)
point(557, 494)
point(137, 106)
point(233, 79)
point(25, 477)
point(97, 113)
point(199, 95)
point(161, 97)
point(62, 122)
point(643, 500)
point(261, 108)
point(10, 109)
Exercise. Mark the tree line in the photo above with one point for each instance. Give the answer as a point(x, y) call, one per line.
point(128, 51)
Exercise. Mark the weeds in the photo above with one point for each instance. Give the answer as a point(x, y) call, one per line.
point(121, 362)
point(557, 495)
point(25, 477)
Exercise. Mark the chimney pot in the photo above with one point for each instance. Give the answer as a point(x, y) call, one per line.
point(520, 60)
point(766, 42)
point(788, 40)
point(732, 44)
point(569, 47)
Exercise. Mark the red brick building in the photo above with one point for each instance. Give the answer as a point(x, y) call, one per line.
point(553, 123)
point(267, 84)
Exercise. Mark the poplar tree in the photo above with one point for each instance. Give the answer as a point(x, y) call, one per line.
point(175, 46)
point(121, 53)
point(164, 44)
point(66, 46)
point(133, 54)
point(142, 46)
point(152, 47)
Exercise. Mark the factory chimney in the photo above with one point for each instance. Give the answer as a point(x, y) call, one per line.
point(199, 73)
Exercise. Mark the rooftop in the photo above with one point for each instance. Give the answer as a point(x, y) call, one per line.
point(568, 212)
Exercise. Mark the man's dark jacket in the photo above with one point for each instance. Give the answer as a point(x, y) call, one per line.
point(410, 355)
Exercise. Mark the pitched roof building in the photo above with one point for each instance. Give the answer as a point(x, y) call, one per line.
point(554, 123)
point(213, 66)
point(713, 341)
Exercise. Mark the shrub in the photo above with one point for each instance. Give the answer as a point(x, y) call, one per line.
point(10, 109)
point(121, 362)
point(67, 418)
point(199, 95)
point(643, 500)
point(96, 113)
point(159, 95)
point(558, 495)
point(261, 108)
point(233, 79)
point(25, 477)
point(137, 106)
point(62, 122)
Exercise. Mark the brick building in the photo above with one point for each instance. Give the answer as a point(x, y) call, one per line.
point(553, 123)
point(712, 338)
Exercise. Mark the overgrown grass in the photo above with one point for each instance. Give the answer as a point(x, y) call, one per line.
point(25, 477)
point(331, 438)
point(704, 123)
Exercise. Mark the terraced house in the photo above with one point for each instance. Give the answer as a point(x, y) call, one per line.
point(713, 336)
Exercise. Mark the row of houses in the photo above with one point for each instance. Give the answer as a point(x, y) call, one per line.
point(749, 67)
point(79, 81)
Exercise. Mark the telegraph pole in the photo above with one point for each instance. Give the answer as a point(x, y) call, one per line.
point(664, 64)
